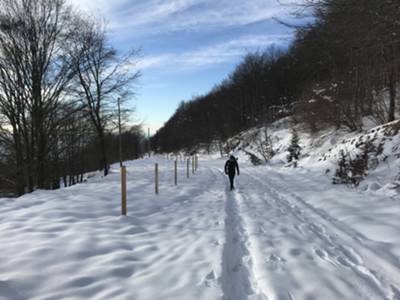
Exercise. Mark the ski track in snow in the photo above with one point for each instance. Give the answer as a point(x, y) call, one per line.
point(262, 241)
point(367, 282)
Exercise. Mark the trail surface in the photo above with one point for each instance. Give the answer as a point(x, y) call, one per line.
point(282, 234)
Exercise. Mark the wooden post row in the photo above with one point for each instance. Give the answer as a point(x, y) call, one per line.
point(123, 191)
point(156, 179)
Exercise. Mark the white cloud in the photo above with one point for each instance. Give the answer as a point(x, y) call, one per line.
point(158, 16)
point(216, 54)
point(154, 61)
point(105, 7)
point(137, 18)
point(150, 12)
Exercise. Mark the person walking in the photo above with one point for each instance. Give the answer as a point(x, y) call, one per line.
point(231, 166)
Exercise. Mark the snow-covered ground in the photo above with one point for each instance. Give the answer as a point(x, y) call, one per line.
point(320, 151)
point(282, 234)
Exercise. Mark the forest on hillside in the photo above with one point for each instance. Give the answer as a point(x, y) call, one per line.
point(341, 67)
point(63, 88)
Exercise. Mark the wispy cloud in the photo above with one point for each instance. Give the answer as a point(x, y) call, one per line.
point(220, 53)
point(140, 19)
point(105, 7)
point(158, 16)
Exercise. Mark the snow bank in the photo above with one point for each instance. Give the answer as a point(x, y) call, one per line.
point(320, 151)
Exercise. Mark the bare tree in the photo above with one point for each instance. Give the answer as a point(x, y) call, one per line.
point(103, 77)
point(35, 73)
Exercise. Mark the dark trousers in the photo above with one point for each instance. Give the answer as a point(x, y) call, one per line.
point(231, 179)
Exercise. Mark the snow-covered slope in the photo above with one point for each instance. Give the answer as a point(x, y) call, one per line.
point(321, 151)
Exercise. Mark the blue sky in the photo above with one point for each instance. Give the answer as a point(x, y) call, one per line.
point(187, 46)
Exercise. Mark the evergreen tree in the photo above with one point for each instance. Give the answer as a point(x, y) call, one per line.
point(360, 165)
point(358, 168)
point(294, 149)
point(342, 173)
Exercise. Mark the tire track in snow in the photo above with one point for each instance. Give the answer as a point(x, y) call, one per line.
point(237, 279)
point(380, 267)
point(343, 256)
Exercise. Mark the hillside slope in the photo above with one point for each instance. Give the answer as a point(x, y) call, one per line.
point(321, 151)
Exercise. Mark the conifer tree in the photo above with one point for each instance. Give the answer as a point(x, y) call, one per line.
point(342, 173)
point(294, 149)
point(360, 165)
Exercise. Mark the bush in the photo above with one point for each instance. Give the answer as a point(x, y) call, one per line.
point(264, 145)
point(254, 159)
point(353, 171)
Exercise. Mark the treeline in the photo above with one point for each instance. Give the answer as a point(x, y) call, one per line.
point(343, 66)
point(60, 80)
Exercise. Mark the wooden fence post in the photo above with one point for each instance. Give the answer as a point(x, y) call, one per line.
point(196, 162)
point(176, 172)
point(192, 164)
point(187, 167)
point(156, 178)
point(123, 191)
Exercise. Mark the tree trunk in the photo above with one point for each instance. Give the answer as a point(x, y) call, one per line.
point(20, 182)
point(392, 92)
point(103, 152)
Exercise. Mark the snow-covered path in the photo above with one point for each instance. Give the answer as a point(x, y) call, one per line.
point(301, 252)
point(282, 234)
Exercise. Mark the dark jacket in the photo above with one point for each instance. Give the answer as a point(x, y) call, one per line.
point(231, 166)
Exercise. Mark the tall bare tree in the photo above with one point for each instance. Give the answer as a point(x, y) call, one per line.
point(103, 76)
point(35, 73)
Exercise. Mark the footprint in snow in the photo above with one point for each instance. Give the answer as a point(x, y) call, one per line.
point(216, 243)
point(275, 262)
point(296, 252)
point(237, 267)
point(299, 229)
point(321, 253)
point(211, 279)
point(283, 230)
point(317, 228)
point(351, 255)
point(261, 230)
